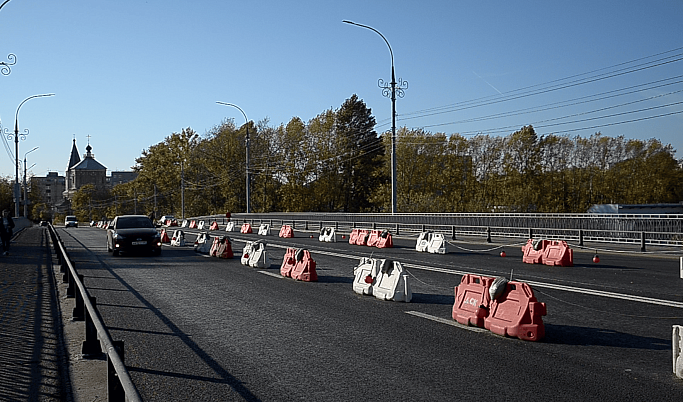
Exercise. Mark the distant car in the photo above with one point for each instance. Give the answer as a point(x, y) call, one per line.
point(133, 233)
point(71, 220)
point(43, 223)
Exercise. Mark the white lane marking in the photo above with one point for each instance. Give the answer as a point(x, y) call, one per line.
point(613, 295)
point(273, 274)
point(446, 321)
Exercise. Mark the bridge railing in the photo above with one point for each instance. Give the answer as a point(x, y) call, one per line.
point(664, 230)
point(119, 384)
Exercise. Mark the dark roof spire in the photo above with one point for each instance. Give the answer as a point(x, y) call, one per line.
point(74, 159)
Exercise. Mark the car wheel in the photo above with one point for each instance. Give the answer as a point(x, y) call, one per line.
point(115, 253)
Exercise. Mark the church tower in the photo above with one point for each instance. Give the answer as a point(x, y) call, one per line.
point(86, 171)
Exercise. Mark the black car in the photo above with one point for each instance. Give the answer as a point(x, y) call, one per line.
point(133, 233)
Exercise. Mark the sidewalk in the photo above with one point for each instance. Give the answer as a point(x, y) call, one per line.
point(33, 361)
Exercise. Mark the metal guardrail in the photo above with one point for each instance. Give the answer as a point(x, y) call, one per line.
point(119, 384)
point(661, 230)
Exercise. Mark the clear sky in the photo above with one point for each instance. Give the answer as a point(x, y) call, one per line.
point(129, 73)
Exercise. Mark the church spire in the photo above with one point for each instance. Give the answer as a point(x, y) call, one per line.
point(74, 158)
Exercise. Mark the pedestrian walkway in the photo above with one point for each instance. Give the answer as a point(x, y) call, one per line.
point(33, 364)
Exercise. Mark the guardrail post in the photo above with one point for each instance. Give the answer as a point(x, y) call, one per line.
point(115, 390)
point(336, 225)
point(642, 241)
point(397, 232)
point(581, 237)
point(423, 227)
point(91, 345)
point(321, 225)
point(70, 290)
point(306, 225)
point(531, 233)
point(374, 225)
point(488, 234)
point(452, 232)
point(79, 310)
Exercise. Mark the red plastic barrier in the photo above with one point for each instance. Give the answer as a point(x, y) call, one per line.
point(164, 236)
point(531, 255)
point(362, 238)
point(517, 313)
point(286, 231)
point(472, 300)
point(214, 226)
point(193, 224)
point(304, 270)
point(385, 240)
point(373, 238)
point(246, 228)
point(558, 253)
point(289, 262)
point(353, 237)
point(224, 249)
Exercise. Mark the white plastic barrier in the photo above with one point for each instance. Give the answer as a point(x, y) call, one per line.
point(365, 274)
point(677, 345)
point(438, 244)
point(230, 227)
point(178, 239)
point(264, 229)
point(259, 256)
point(392, 283)
point(423, 241)
point(203, 243)
point(328, 234)
point(185, 223)
point(201, 225)
point(246, 253)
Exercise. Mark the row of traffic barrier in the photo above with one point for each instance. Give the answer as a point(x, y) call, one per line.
point(328, 235)
point(503, 307)
point(548, 252)
point(371, 238)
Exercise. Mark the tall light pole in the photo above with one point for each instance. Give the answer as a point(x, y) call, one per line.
point(26, 192)
point(391, 91)
point(12, 59)
point(247, 145)
point(16, 150)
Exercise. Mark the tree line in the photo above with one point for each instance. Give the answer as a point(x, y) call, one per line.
point(337, 162)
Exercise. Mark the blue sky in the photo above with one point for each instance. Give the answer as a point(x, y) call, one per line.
point(129, 73)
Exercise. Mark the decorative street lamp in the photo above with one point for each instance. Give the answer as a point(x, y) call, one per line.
point(25, 191)
point(390, 90)
point(247, 144)
point(12, 59)
point(16, 135)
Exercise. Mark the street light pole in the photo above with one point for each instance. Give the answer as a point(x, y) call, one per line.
point(390, 91)
point(247, 146)
point(16, 150)
point(25, 191)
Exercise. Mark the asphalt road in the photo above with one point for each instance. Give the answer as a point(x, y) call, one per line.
point(203, 329)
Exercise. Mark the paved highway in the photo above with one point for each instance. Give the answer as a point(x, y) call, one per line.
point(203, 329)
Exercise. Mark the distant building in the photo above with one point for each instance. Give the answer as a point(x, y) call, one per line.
point(50, 188)
point(637, 209)
point(121, 177)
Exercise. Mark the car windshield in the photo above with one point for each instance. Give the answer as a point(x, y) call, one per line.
point(134, 222)
point(70, 218)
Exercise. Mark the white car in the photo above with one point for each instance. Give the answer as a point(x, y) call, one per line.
point(70, 220)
